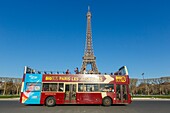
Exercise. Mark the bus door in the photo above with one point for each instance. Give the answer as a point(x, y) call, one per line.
point(70, 93)
point(121, 93)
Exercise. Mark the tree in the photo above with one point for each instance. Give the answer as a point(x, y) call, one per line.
point(18, 87)
point(133, 83)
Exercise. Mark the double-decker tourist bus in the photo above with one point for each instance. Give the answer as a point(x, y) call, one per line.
point(51, 89)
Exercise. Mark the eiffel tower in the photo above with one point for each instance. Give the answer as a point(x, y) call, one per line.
point(89, 57)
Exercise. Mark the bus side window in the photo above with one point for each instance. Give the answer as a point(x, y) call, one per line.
point(91, 87)
point(45, 87)
point(53, 87)
point(95, 87)
point(102, 87)
point(61, 87)
point(80, 87)
point(84, 88)
point(106, 87)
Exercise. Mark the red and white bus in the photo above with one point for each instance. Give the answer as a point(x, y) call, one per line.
point(51, 89)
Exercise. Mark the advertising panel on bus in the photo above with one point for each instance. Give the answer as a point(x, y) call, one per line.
point(78, 78)
point(32, 89)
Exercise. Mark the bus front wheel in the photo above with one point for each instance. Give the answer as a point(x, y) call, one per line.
point(50, 101)
point(107, 101)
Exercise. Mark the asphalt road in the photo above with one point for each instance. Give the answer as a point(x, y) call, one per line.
point(8, 106)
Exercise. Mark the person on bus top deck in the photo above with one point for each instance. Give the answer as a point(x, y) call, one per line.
point(84, 71)
point(67, 71)
point(76, 70)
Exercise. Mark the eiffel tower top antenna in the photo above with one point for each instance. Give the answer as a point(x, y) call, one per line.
point(89, 57)
point(88, 8)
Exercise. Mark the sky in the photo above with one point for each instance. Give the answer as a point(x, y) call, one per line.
point(50, 35)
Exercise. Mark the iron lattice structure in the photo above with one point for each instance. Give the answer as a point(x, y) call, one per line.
point(89, 58)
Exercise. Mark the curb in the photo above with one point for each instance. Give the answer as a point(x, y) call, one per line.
point(9, 99)
point(149, 99)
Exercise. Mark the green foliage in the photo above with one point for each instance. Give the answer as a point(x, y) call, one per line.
point(9, 96)
point(152, 96)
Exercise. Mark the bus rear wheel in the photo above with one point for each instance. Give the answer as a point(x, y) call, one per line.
point(107, 101)
point(50, 101)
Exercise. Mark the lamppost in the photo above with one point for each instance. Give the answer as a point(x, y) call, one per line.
point(146, 87)
point(143, 75)
point(144, 82)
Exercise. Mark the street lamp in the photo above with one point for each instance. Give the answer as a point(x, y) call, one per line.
point(143, 75)
point(144, 82)
point(146, 87)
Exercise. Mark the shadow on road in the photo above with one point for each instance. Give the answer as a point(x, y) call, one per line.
point(77, 105)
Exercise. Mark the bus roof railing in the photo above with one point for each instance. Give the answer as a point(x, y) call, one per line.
point(28, 70)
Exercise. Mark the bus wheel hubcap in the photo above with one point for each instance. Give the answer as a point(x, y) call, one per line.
point(107, 102)
point(51, 101)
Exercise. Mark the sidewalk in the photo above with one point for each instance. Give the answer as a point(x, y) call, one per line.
point(9, 99)
point(150, 99)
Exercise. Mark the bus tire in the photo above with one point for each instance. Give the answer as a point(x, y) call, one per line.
point(107, 101)
point(50, 101)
